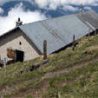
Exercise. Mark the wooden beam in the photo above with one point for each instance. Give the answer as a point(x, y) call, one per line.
point(45, 49)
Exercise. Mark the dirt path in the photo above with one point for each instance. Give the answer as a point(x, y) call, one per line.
point(68, 69)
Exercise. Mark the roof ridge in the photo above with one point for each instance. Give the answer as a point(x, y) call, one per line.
point(59, 17)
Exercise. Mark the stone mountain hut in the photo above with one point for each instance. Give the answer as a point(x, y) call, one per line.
point(57, 31)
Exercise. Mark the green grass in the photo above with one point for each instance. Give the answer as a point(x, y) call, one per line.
point(81, 80)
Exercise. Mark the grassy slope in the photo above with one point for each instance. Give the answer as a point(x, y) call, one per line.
point(69, 74)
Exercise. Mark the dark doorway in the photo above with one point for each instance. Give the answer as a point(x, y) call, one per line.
point(19, 55)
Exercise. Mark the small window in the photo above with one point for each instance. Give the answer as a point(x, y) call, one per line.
point(20, 43)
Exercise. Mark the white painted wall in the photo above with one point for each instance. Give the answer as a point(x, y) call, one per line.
point(29, 51)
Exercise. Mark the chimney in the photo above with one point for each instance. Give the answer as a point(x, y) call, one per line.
point(19, 22)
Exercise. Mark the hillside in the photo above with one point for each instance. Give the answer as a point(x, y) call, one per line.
point(67, 74)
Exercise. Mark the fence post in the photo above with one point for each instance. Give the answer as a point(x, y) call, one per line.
point(45, 49)
point(4, 63)
point(59, 95)
point(73, 42)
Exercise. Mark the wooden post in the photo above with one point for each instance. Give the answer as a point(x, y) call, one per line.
point(45, 49)
point(4, 62)
point(59, 95)
point(73, 42)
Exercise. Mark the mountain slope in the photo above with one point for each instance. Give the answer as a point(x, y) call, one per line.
point(67, 74)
